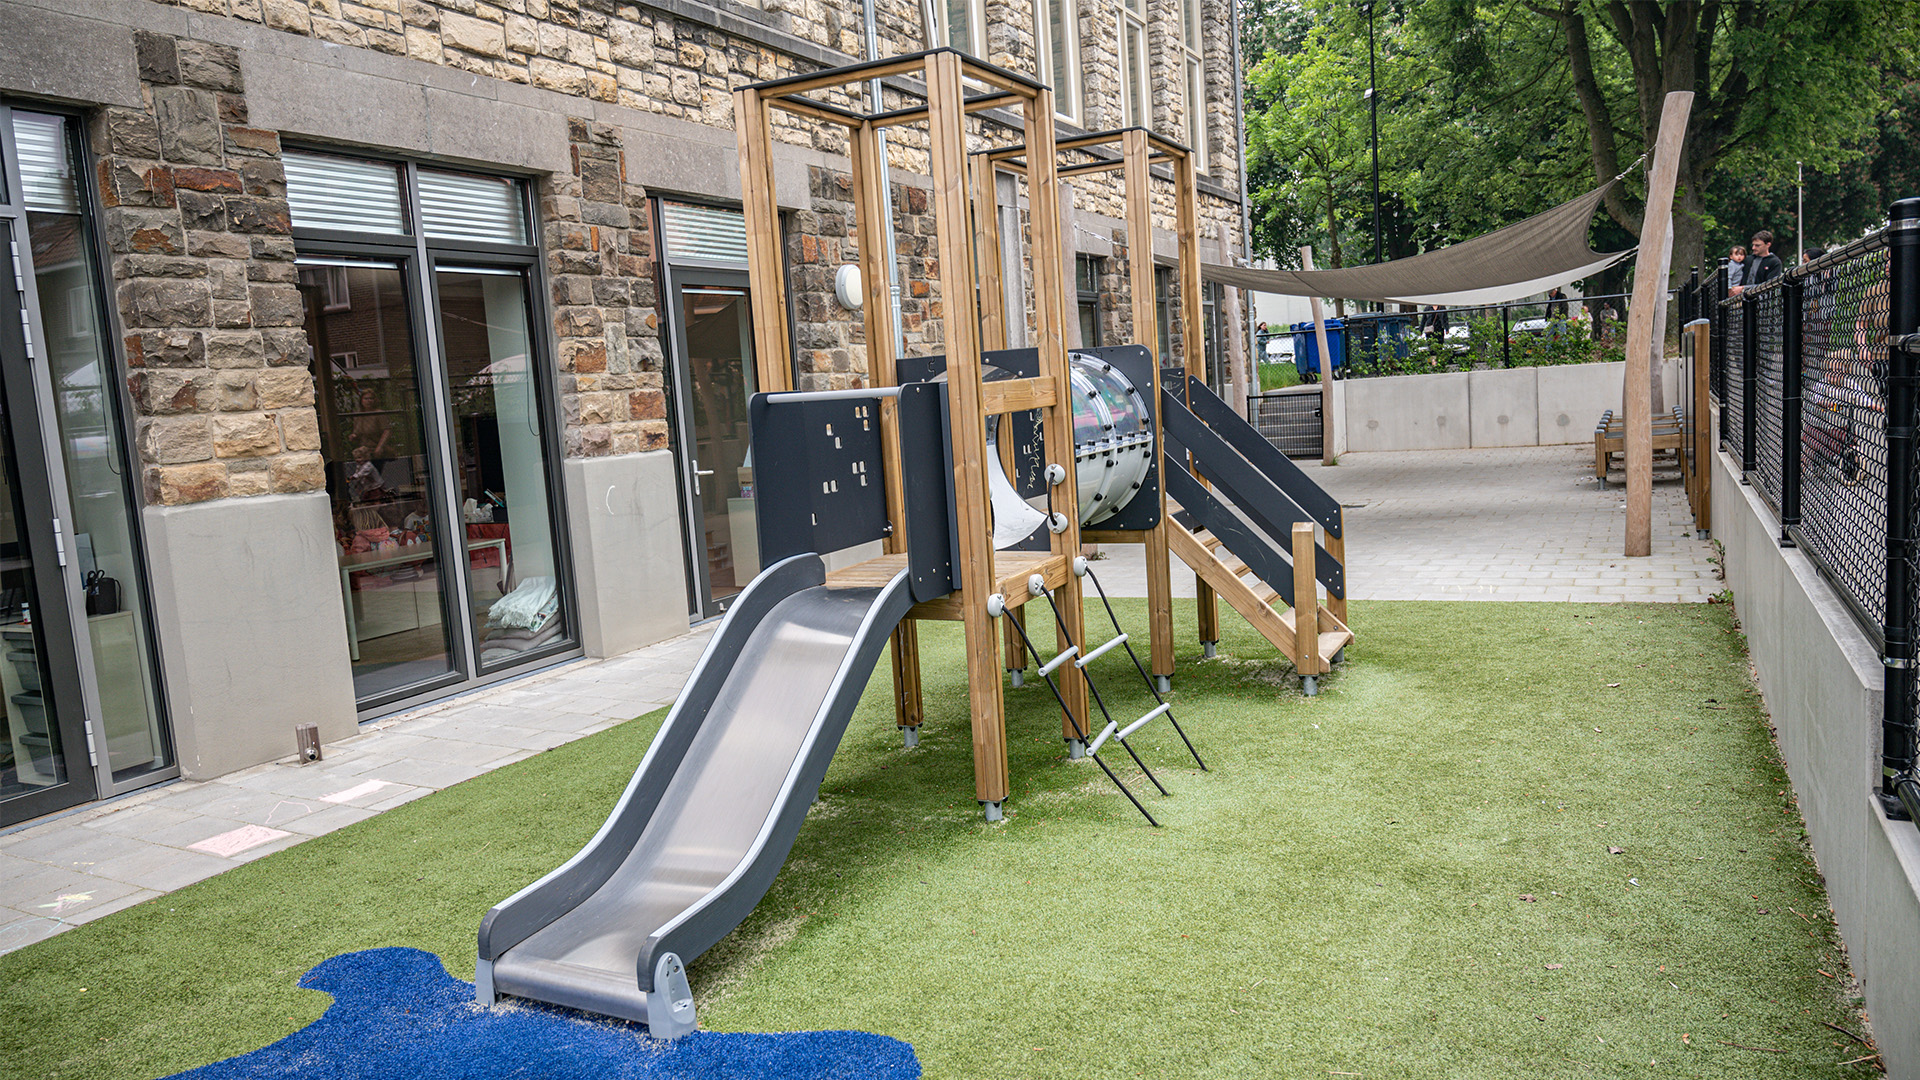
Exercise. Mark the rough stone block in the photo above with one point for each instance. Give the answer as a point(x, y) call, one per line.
point(232, 314)
point(243, 481)
point(165, 302)
point(173, 440)
point(285, 347)
point(162, 391)
point(250, 435)
point(161, 266)
point(189, 123)
point(215, 180)
point(209, 66)
point(155, 55)
point(157, 348)
point(265, 178)
point(252, 142)
point(249, 214)
point(280, 388)
point(132, 133)
point(133, 229)
point(473, 35)
point(300, 429)
point(291, 15)
point(233, 392)
point(227, 278)
point(277, 305)
point(173, 485)
point(217, 245)
point(202, 212)
point(299, 472)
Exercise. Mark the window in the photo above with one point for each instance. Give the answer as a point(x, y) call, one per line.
point(965, 26)
point(1133, 65)
point(1195, 82)
point(1057, 42)
point(420, 286)
point(1086, 281)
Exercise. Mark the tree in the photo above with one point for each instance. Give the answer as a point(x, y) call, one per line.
point(1501, 108)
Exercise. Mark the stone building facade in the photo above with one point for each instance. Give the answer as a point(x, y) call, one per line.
point(292, 489)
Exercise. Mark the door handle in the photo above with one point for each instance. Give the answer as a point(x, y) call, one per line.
point(703, 472)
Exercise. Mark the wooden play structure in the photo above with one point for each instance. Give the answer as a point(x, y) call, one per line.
point(1230, 559)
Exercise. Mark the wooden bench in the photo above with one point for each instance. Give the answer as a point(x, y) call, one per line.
point(1610, 438)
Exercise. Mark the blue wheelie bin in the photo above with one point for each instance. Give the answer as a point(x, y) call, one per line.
point(1306, 349)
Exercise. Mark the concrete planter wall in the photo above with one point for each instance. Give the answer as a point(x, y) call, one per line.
point(1536, 406)
point(1821, 679)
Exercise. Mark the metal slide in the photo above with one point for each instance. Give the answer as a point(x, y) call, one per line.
point(710, 815)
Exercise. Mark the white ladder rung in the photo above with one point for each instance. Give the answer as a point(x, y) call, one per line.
point(1047, 668)
point(1142, 722)
point(1099, 652)
point(1101, 739)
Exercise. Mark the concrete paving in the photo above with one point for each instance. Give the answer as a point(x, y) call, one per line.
point(1507, 524)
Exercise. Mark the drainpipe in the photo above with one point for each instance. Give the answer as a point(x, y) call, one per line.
point(886, 184)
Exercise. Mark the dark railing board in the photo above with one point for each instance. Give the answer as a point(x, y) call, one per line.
point(1250, 489)
point(1200, 510)
point(1321, 506)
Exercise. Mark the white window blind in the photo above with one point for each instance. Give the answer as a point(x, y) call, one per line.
point(456, 206)
point(46, 169)
point(703, 234)
point(327, 192)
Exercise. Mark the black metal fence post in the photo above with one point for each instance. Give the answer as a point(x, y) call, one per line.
point(1717, 335)
point(1749, 385)
point(1792, 294)
point(1506, 336)
point(1899, 793)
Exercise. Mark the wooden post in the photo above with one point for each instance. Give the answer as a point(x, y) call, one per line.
point(1306, 603)
point(876, 309)
point(1326, 368)
point(1193, 338)
point(974, 559)
point(1649, 290)
point(1050, 285)
point(766, 274)
point(1702, 433)
point(1146, 330)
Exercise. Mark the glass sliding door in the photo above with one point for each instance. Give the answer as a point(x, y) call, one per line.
point(45, 761)
point(514, 602)
point(422, 296)
point(392, 546)
point(715, 378)
point(80, 684)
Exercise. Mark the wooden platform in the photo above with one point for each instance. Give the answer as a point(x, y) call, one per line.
point(1012, 568)
point(1252, 598)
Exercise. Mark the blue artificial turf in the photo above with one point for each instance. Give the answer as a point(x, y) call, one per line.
point(396, 1013)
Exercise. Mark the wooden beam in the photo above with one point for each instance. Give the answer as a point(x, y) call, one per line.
point(1702, 430)
point(1092, 167)
point(1649, 291)
point(841, 76)
point(986, 246)
point(818, 110)
point(766, 270)
point(897, 117)
point(1337, 549)
point(1016, 395)
point(1146, 330)
point(1193, 327)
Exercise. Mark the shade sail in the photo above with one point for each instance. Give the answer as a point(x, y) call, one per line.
point(1546, 250)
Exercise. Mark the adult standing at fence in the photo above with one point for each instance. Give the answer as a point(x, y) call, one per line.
point(1763, 267)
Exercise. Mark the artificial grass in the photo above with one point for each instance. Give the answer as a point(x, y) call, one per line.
point(1408, 875)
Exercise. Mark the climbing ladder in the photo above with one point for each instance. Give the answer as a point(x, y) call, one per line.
point(1247, 526)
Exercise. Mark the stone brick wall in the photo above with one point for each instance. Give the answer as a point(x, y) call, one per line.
point(606, 299)
point(202, 262)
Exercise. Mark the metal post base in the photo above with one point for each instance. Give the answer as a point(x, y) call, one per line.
point(483, 983)
point(1016, 677)
point(1209, 649)
point(1076, 749)
point(1163, 683)
point(1310, 684)
point(910, 737)
point(1341, 656)
point(993, 811)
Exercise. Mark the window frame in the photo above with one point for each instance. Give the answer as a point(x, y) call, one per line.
point(1085, 298)
point(420, 257)
point(1193, 75)
point(1066, 86)
point(976, 26)
point(1135, 81)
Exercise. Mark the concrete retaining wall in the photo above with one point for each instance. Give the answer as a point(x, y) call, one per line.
point(1820, 676)
point(1535, 406)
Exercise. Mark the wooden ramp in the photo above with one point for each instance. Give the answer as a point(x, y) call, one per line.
point(1241, 587)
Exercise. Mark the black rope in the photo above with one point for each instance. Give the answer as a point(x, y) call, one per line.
point(1079, 731)
point(1061, 622)
point(1141, 668)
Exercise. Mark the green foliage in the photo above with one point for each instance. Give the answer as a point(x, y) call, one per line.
point(1278, 376)
point(1482, 121)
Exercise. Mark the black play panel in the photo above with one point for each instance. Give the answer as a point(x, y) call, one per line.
point(1142, 512)
point(926, 467)
point(817, 471)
